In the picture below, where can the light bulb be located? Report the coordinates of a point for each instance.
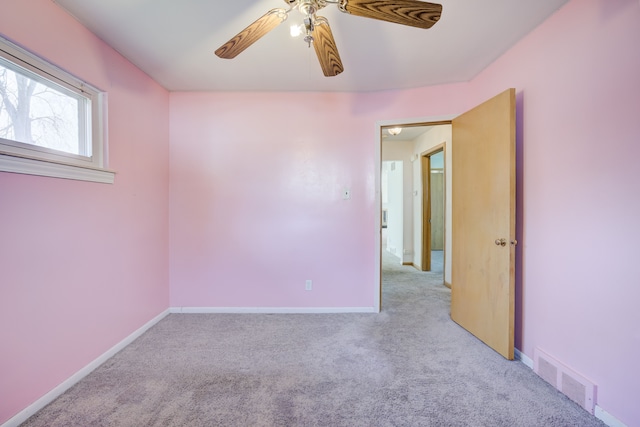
(296, 30)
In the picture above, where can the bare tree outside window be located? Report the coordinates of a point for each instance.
(36, 114)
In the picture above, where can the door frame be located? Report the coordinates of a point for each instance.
(425, 159)
(379, 125)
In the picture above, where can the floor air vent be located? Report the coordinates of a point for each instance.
(573, 385)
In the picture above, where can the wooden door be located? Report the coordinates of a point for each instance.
(426, 213)
(483, 223)
(437, 209)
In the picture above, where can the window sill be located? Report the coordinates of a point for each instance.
(30, 166)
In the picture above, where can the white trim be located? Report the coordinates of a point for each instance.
(271, 310)
(599, 413)
(92, 123)
(415, 121)
(23, 415)
(377, 256)
(523, 358)
(28, 166)
(607, 418)
(37, 65)
(377, 291)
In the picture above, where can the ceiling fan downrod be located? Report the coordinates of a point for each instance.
(308, 25)
(309, 8)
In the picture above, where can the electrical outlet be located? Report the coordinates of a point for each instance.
(308, 285)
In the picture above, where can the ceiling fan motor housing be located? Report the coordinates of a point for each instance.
(307, 7)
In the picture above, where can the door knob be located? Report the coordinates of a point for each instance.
(501, 242)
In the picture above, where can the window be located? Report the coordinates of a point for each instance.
(51, 123)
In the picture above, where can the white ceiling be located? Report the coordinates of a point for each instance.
(408, 133)
(174, 41)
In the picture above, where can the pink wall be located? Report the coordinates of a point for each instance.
(256, 196)
(82, 265)
(255, 205)
(578, 81)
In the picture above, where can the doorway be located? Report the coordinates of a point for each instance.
(482, 299)
(393, 212)
(433, 209)
(408, 145)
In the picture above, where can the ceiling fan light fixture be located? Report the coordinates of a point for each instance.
(296, 30)
(394, 131)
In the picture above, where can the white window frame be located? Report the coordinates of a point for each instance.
(22, 158)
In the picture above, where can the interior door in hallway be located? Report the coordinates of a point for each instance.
(483, 223)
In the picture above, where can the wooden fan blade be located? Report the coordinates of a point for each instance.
(406, 12)
(252, 33)
(326, 48)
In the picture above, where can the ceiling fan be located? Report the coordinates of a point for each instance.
(414, 13)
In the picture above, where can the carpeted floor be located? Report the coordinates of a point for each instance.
(407, 366)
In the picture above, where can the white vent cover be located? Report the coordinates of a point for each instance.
(575, 386)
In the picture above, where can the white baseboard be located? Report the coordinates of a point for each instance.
(599, 413)
(22, 416)
(523, 358)
(271, 310)
(607, 418)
